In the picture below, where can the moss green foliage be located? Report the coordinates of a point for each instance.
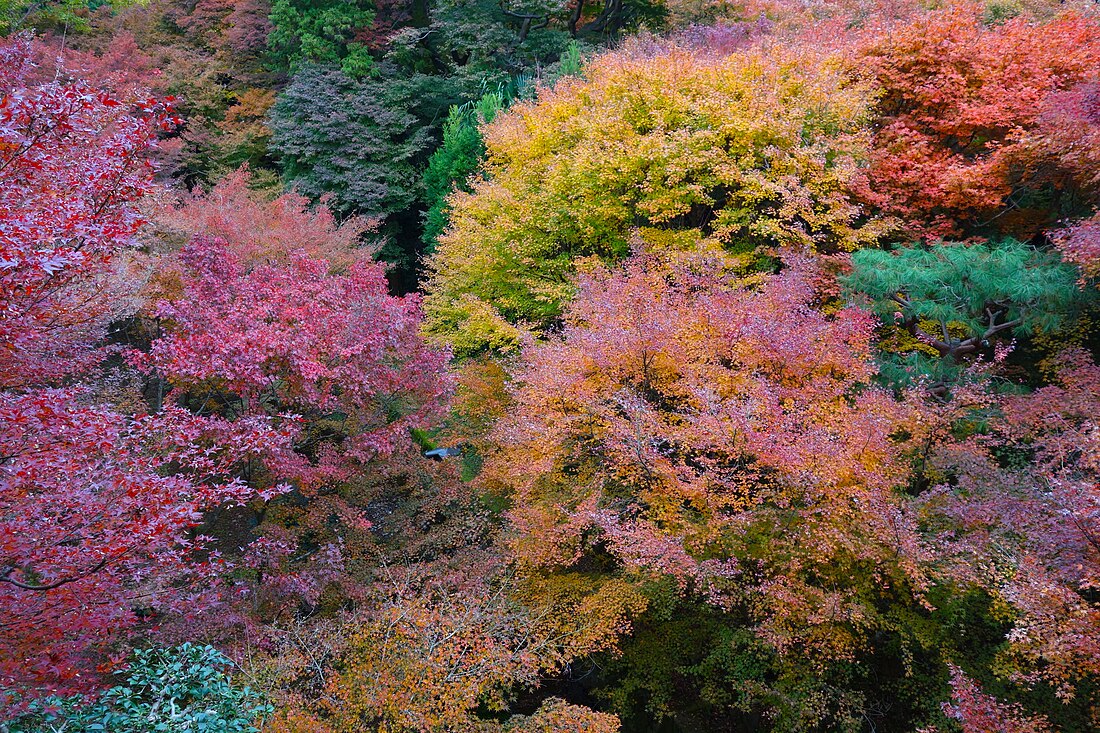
(42, 14)
(184, 689)
(951, 301)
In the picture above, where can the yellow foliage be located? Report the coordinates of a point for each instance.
(661, 152)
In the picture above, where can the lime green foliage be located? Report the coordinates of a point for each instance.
(463, 148)
(456, 159)
(953, 299)
(185, 689)
(673, 150)
(570, 62)
(319, 31)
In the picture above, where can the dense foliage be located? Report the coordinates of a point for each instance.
(675, 149)
(537, 366)
(177, 690)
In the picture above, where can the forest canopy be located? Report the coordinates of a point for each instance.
(549, 366)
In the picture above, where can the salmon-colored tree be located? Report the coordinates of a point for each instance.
(719, 436)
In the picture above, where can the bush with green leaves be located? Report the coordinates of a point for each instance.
(184, 689)
(347, 137)
(456, 159)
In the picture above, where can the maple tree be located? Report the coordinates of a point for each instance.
(442, 646)
(1022, 501)
(954, 156)
(331, 357)
(722, 437)
(96, 509)
(978, 712)
(296, 338)
(680, 149)
(1080, 244)
(73, 159)
(261, 229)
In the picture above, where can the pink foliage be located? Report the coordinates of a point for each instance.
(262, 230)
(296, 338)
(1029, 530)
(1080, 244)
(1069, 130)
(978, 712)
(73, 160)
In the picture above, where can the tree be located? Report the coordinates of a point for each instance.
(960, 100)
(694, 436)
(339, 136)
(447, 641)
(457, 158)
(97, 514)
(1080, 244)
(331, 357)
(15, 15)
(978, 712)
(260, 229)
(952, 300)
(96, 510)
(1068, 132)
(1017, 499)
(271, 339)
(320, 33)
(73, 160)
(752, 150)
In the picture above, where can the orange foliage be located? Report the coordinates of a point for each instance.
(683, 422)
(959, 98)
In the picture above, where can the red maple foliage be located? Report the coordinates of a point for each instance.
(334, 354)
(960, 101)
(97, 511)
(73, 160)
(296, 338)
